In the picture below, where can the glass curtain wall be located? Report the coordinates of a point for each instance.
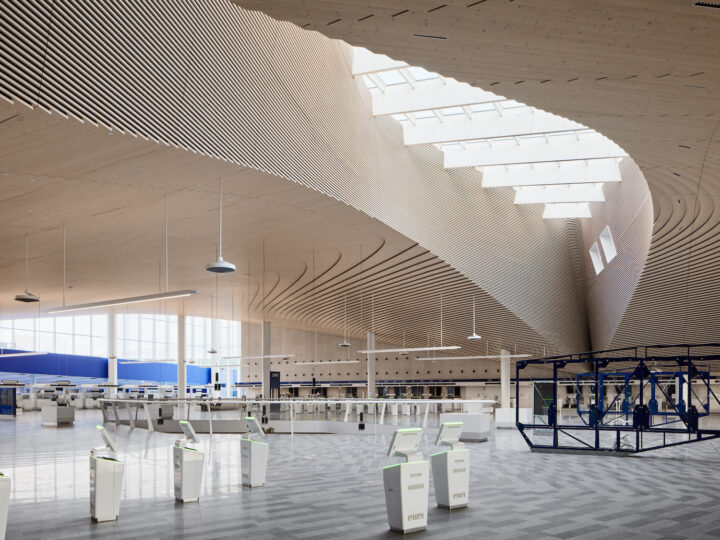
(85, 335)
(145, 337)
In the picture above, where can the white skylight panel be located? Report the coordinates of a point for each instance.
(482, 107)
(596, 258)
(420, 115)
(451, 111)
(565, 172)
(390, 78)
(421, 74)
(548, 159)
(365, 61)
(537, 150)
(567, 193)
(567, 210)
(608, 245)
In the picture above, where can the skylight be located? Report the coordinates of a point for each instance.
(608, 246)
(549, 159)
(596, 258)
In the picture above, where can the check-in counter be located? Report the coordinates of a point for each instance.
(54, 415)
(476, 427)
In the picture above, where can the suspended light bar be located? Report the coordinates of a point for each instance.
(283, 356)
(416, 349)
(331, 362)
(122, 301)
(9, 355)
(486, 357)
(173, 362)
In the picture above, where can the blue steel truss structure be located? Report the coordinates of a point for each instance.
(639, 399)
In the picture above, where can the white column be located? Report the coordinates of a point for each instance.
(265, 361)
(371, 390)
(181, 365)
(112, 354)
(505, 379)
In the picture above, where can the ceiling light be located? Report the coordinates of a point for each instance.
(220, 266)
(486, 357)
(474, 336)
(345, 342)
(121, 301)
(330, 362)
(27, 296)
(282, 356)
(415, 349)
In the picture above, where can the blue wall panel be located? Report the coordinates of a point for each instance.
(71, 365)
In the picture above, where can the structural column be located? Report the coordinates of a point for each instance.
(505, 379)
(265, 389)
(371, 390)
(181, 363)
(112, 377)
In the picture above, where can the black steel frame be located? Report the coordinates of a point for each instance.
(640, 360)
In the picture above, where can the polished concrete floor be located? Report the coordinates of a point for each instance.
(330, 486)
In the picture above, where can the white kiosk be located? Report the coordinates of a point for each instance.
(451, 468)
(253, 455)
(406, 484)
(106, 475)
(188, 465)
(4, 503)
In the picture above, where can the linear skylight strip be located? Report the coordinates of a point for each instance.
(568, 172)
(123, 301)
(559, 194)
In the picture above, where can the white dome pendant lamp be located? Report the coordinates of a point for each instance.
(27, 296)
(220, 266)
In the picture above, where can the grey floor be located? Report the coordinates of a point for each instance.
(330, 486)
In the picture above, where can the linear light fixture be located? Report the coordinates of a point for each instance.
(121, 301)
(8, 355)
(325, 362)
(486, 357)
(172, 362)
(416, 349)
(283, 356)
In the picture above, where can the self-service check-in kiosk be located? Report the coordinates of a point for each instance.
(106, 475)
(451, 468)
(4, 503)
(253, 455)
(188, 465)
(406, 484)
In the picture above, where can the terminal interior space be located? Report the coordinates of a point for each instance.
(336, 269)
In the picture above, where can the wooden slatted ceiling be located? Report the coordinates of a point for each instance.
(109, 191)
(644, 73)
(219, 81)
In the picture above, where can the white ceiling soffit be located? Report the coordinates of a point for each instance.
(548, 159)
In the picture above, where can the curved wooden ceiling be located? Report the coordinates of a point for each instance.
(642, 72)
(300, 254)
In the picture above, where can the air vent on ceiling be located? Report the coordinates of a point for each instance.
(707, 4)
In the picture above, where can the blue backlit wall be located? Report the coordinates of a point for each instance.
(71, 365)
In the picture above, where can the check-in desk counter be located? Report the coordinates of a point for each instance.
(55, 415)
